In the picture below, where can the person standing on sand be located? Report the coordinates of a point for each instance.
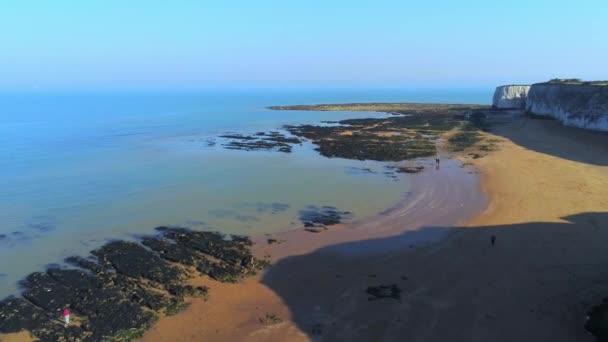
(66, 316)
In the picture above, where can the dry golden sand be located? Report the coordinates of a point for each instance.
(548, 204)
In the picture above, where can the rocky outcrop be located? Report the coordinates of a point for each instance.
(119, 293)
(510, 96)
(581, 104)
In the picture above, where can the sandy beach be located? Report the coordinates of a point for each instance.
(547, 190)
(542, 192)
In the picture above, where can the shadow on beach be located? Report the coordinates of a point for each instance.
(537, 281)
(553, 138)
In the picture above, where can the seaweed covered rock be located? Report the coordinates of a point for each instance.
(189, 291)
(234, 249)
(108, 309)
(133, 260)
(18, 314)
(271, 141)
(389, 139)
(223, 258)
(173, 251)
(410, 169)
(117, 294)
(316, 219)
(411, 131)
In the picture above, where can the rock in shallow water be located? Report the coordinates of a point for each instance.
(316, 219)
(271, 141)
(118, 294)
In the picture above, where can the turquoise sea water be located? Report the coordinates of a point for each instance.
(79, 168)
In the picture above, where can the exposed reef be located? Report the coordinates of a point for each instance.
(119, 292)
(410, 133)
(410, 169)
(316, 219)
(270, 141)
(391, 108)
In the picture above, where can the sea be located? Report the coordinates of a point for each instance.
(79, 168)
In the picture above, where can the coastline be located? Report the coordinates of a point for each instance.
(436, 276)
(536, 283)
(238, 309)
(392, 139)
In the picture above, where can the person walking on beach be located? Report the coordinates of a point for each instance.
(66, 316)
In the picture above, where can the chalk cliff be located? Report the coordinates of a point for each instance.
(581, 104)
(510, 96)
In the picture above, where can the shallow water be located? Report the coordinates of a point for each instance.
(81, 168)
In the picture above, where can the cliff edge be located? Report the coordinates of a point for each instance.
(579, 104)
(510, 96)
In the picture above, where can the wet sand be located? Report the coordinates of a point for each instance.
(234, 311)
(548, 202)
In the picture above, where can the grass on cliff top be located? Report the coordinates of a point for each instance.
(575, 81)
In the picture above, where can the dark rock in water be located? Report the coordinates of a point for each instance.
(133, 260)
(232, 255)
(172, 251)
(597, 321)
(273, 208)
(410, 169)
(234, 250)
(116, 295)
(237, 137)
(271, 141)
(85, 263)
(359, 170)
(383, 291)
(321, 217)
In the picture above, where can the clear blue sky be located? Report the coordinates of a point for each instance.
(105, 43)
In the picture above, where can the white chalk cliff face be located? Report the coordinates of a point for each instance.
(578, 105)
(510, 96)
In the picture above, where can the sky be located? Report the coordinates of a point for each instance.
(94, 43)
